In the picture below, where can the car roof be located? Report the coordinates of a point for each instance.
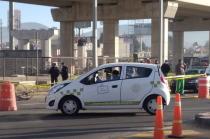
(128, 64)
(194, 69)
(198, 67)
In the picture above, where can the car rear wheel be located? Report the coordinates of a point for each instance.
(150, 105)
(70, 106)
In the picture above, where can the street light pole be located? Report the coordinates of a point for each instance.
(95, 43)
(10, 25)
(1, 33)
(37, 56)
(161, 31)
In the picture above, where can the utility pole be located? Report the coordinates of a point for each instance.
(1, 33)
(161, 32)
(95, 43)
(37, 56)
(10, 25)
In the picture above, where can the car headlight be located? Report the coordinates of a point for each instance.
(56, 88)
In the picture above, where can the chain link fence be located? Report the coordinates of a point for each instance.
(36, 69)
(31, 75)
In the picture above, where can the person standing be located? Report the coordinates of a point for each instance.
(64, 71)
(156, 62)
(180, 70)
(165, 68)
(54, 73)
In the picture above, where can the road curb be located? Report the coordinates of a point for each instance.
(187, 134)
(203, 119)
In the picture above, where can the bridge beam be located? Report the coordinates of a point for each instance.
(192, 24)
(132, 9)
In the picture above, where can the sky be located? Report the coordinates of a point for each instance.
(29, 13)
(42, 14)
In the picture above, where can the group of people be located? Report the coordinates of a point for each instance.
(179, 70)
(55, 72)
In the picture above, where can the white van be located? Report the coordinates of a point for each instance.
(111, 86)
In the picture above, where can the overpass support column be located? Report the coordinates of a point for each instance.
(46, 51)
(67, 44)
(155, 49)
(23, 45)
(111, 39)
(178, 46)
(82, 57)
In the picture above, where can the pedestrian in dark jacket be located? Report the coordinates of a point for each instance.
(64, 72)
(165, 68)
(54, 73)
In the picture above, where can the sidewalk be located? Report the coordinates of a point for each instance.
(190, 131)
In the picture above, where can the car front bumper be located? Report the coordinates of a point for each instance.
(51, 102)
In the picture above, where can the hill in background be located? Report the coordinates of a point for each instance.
(24, 26)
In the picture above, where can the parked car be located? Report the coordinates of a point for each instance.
(111, 86)
(191, 85)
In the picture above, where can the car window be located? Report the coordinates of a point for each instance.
(89, 79)
(137, 72)
(202, 71)
(103, 75)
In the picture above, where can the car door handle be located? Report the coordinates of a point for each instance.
(114, 86)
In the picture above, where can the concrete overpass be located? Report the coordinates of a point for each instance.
(179, 16)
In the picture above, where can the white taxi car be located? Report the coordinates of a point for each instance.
(111, 86)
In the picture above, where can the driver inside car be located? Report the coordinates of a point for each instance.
(115, 75)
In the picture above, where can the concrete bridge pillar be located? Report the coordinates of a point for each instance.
(155, 49)
(23, 44)
(82, 57)
(178, 47)
(46, 51)
(111, 39)
(46, 47)
(67, 44)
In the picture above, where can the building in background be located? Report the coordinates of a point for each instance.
(16, 19)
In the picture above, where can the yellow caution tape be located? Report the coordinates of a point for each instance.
(42, 86)
(48, 86)
(178, 77)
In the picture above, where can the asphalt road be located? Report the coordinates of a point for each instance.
(33, 121)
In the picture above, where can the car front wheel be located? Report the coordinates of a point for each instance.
(150, 105)
(70, 106)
